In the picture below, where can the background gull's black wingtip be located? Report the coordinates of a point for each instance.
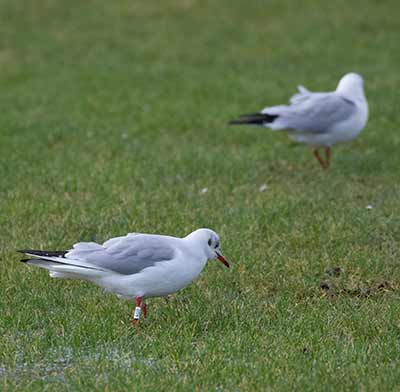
(235, 122)
(254, 119)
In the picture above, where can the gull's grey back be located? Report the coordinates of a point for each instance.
(314, 113)
(125, 255)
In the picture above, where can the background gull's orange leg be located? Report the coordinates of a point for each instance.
(320, 160)
(327, 156)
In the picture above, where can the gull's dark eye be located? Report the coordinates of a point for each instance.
(209, 242)
(217, 245)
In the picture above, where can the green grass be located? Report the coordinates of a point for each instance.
(113, 118)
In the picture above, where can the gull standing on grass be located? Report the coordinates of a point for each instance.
(135, 266)
(318, 119)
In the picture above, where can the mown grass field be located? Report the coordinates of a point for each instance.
(113, 119)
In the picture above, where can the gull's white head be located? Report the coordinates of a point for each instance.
(351, 85)
(210, 243)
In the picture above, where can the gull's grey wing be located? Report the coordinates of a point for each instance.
(302, 94)
(314, 112)
(125, 255)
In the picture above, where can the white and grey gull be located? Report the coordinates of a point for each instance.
(135, 266)
(318, 119)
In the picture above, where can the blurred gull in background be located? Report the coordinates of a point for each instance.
(318, 119)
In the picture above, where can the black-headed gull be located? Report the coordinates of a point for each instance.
(318, 119)
(136, 265)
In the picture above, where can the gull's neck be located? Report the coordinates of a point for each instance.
(195, 241)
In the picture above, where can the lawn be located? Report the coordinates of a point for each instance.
(114, 119)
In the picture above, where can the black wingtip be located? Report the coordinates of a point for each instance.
(254, 119)
(236, 122)
(47, 253)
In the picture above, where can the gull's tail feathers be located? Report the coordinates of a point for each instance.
(62, 267)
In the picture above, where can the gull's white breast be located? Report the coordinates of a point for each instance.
(162, 279)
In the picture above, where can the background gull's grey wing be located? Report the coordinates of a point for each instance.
(302, 94)
(303, 90)
(314, 113)
(125, 255)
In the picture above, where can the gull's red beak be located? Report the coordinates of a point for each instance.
(222, 260)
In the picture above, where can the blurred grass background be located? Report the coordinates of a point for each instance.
(113, 119)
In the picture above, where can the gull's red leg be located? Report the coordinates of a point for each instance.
(138, 309)
(144, 308)
(328, 156)
(320, 160)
